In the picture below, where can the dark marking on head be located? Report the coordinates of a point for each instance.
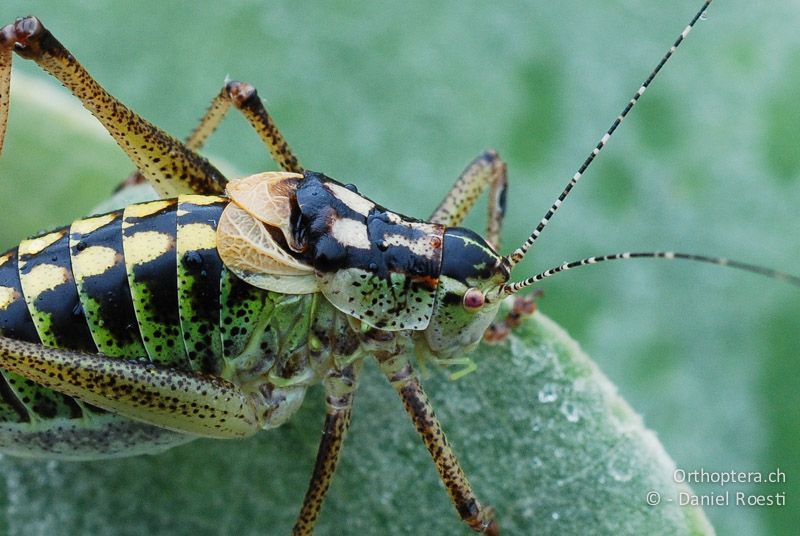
(467, 256)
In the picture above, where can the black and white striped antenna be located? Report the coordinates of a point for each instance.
(511, 288)
(517, 255)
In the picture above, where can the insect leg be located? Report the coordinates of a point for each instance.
(500, 328)
(169, 398)
(5, 86)
(404, 380)
(244, 98)
(486, 170)
(340, 387)
(170, 166)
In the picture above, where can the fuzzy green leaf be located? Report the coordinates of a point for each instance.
(541, 432)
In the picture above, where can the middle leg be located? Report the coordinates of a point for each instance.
(398, 371)
(340, 388)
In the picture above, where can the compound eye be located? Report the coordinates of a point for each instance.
(473, 300)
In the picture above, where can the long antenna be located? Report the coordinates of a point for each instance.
(511, 288)
(520, 252)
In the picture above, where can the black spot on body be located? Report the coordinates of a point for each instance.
(200, 275)
(192, 260)
(9, 399)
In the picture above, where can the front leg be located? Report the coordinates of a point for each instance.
(404, 380)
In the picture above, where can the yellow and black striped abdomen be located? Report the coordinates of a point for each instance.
(138, 283)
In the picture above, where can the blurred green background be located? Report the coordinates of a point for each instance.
(398, 97)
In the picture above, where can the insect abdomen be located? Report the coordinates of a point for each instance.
(136, 284)
(147, 283)
(34, 420)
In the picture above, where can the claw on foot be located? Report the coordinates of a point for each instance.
(20, 32)
(239, 92)
(485, 523)
(499, 329)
